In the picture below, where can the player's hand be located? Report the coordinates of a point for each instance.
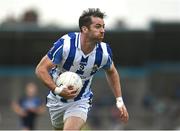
(124, 116)
(69, 92)
(22, 113)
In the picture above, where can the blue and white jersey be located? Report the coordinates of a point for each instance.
(68, 56)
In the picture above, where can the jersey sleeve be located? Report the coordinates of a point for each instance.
(109, 59)
(55, 53)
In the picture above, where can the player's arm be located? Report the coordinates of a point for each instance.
(42, 72)
(113, 79)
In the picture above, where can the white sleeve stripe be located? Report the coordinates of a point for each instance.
(56, 52)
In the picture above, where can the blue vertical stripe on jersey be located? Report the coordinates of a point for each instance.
(109, 61)
(109, 50)
(98, 59)
(82, 65)
(82, 90)
(69, 61)
(55, 53)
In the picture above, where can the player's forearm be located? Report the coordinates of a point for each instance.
(114, 82)
(44, 76)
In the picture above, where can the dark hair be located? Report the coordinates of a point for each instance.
(85, 18)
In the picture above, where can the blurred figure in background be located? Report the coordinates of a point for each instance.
(29, 19)
(28, 107)
(30, 16)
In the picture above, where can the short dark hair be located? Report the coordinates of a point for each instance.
(85, 18)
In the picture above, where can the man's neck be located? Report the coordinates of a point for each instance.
(87, 46)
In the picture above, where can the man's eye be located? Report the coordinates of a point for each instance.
(98, 27)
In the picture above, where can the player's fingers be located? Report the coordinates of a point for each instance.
(74, 92)
(126, 115)
(121, 112)
(70, 96)
(125, 118)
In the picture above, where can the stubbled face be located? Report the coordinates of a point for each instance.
(96, 29)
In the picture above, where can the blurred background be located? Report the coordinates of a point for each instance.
(145, 40)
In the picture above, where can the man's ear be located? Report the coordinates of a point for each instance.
(84, 29)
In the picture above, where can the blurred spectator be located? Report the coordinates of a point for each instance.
(9, 21)
(29, 19)
(30, 16)
(28, 107)
(120, 24)
(148, 101)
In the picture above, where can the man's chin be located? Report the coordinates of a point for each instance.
(100, 39)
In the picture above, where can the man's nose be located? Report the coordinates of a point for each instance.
(102, 30)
